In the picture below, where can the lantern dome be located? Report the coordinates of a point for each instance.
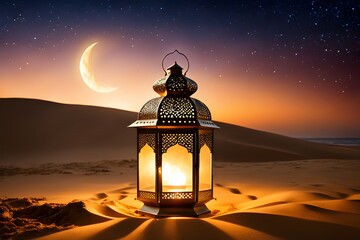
(174, 107)
(175, 83)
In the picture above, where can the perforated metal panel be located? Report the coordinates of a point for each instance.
(207, 139)
(149, 110)
(176, 84)
(176, 108)
(202, 110)
(185, 140)
(147, 195)
(177, 195)
(160, 86)
(146, 139)
(205, 195)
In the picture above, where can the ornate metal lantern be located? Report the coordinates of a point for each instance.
(175, 147)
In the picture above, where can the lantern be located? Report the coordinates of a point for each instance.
(175, 138)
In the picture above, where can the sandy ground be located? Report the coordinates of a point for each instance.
(303, 199)
(62, 177)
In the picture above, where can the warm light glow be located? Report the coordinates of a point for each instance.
(147, 169)
(177, 170)
(205, 167)
(173, 175)
(88, 75)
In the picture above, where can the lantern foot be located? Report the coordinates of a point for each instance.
(174, 211)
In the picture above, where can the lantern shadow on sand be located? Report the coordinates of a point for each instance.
(175, 147)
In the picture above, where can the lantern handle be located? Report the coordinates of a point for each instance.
(188, 63)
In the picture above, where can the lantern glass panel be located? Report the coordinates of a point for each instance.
(205, 166)
(147, 169)
(177, 170)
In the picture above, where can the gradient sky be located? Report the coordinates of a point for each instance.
(290, 67)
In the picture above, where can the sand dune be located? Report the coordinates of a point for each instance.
(253, 145)
(41, 131)
(34, 130)
(29, 217)
(68, 172)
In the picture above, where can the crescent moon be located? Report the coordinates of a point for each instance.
(88, 75)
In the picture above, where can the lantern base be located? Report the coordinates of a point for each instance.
(174, 211)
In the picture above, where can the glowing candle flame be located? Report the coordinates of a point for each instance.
(173, 176)
(177, 179)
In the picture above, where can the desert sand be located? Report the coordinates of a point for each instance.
(81, 184)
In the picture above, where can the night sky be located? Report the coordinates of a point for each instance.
(291, 67)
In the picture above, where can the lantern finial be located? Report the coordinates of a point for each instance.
(175, 69)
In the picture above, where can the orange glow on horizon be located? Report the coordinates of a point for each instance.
(241, 99)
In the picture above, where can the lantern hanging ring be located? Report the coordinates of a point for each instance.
(188, 64)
